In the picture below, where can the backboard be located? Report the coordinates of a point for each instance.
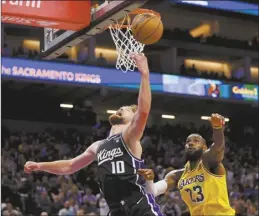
(56, 42)
(66, 14)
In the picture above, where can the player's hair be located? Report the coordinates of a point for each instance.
(133, 107)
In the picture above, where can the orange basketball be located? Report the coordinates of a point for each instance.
(147, 28)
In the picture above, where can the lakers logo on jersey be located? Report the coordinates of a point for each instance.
(184, 182)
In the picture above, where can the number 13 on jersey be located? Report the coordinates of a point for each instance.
(118, 167)
(196, 193)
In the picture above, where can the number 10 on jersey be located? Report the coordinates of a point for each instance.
(118, 167)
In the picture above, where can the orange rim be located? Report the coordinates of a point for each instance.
(142, 11)
(127, 18)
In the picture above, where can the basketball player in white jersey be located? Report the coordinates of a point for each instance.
(118, 156)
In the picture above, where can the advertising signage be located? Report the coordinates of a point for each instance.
(195, 86)
(232, 6)
(244, 92)
(210, 88)
(47, 71)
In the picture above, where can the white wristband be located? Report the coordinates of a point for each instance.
(157, 188)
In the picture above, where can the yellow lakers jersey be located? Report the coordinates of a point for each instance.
(204, 193)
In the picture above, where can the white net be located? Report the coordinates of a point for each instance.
(125, 44)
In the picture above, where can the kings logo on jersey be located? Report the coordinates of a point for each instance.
(106, 155)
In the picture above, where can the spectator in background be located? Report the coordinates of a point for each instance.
(8, 210)
(21, 52)
(255, 41)
(30, 54)
(251, 209)
(73, 207)
(65, 210)
(171, 209)
(101, 61)
(6, 51)
(240, 207)
(104, 208)
(83, 55)
(57, 203)
(90, 201)
(80, 212)
(44, 201)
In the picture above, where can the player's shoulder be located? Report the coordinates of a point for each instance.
(175, 174)
(98, 142)
(95, 145)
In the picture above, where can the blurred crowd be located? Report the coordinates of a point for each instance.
(216, 40)
(78, 194)
(176, 34)
(82, 55)
(194, 72)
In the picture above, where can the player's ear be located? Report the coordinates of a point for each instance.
(134, 107)
(204, 144)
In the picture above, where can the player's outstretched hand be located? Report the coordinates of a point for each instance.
(141, 62)
(31, 166)
(148, 174)
(217, 121)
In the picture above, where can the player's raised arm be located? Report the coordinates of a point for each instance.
(64, 167)
(137, 126)
(215, 154)
(169, 182)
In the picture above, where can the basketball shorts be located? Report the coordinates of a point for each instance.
(144, 206)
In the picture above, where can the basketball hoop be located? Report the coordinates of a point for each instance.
(125, 42)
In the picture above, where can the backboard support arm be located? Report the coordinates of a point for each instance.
(56, 42)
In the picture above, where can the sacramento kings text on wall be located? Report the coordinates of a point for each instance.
(27, 3)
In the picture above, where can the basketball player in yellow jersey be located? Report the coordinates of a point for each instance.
(202, 182)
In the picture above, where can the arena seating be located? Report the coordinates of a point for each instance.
(175, 34)
(78, 194)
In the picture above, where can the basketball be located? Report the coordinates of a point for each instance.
(147, 28)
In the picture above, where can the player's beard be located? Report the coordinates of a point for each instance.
(193, 155)
(116, 119)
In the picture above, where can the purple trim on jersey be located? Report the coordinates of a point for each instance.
(138, 165)
(151, 199)
(152, 202)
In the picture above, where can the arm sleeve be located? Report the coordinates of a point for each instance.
(157, 188)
